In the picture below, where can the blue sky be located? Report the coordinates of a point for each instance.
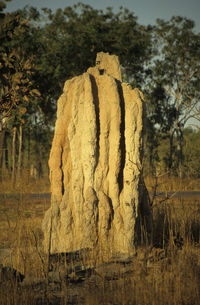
(147, 11)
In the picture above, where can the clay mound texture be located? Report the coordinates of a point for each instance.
(97, 198)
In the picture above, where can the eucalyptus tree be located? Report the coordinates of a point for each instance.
(67, 42)
(55, 46)
(70, 39)
(2, 8)
(176, 73)
(17, 86)
(191, 151)
(16, 63)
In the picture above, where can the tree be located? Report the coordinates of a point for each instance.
(15, 66)
(17, 87)
(191, 151)
(176, 75)
(70, 39)
(2, 7)
(64, 44)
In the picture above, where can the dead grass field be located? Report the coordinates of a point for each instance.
(167, 183)
(165, 273)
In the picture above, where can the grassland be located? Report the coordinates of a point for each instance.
(167, 272)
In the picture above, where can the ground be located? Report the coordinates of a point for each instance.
(167, 272)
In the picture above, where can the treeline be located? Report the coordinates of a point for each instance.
(40, 50)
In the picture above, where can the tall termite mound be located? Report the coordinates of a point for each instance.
(97, 198)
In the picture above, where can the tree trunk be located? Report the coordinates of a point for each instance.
(2, 137)
(179, 135)
(20, 154)
(180, 152)
(6, 152)
(171, 139)
(13, 156)
(29, 153)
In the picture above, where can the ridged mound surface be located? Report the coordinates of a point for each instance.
(95, 164)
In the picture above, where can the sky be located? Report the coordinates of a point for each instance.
(147, 11)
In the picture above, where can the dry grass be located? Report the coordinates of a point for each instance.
(25, 185)
(20, 232)
(167, 273)
(167, 183)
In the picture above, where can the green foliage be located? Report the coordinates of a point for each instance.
(191, 151)
(173, 90)
(16, 67)
(71, 38)
(2, 7)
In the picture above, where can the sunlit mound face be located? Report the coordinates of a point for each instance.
(95, 163)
